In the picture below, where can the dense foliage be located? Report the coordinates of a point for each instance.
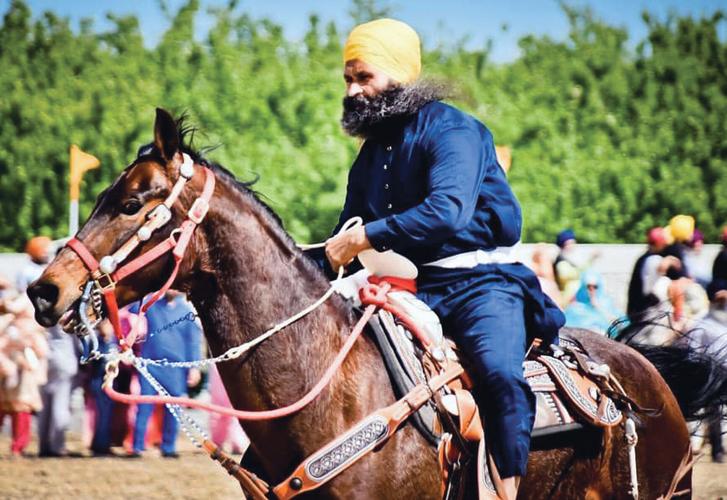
(606, 140)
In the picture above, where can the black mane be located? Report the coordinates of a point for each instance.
(186, 138)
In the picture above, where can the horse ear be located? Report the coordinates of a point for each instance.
(166, 135)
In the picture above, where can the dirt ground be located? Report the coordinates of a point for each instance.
(192, 476)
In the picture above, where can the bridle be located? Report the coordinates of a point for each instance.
(106, 273)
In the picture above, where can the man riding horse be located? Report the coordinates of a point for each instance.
(428, 185)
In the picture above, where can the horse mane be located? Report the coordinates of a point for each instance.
(697, 375)
(186, 139)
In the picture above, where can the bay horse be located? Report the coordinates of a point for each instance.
(244, 273)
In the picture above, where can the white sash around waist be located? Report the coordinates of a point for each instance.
(468, 260)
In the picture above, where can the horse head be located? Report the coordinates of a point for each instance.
(160, 184)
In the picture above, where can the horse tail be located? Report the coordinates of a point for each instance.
(697, 375)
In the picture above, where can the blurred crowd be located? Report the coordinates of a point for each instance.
(672, 285)
(41, 376)
(671, 276)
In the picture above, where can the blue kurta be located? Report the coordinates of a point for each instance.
(434, 189)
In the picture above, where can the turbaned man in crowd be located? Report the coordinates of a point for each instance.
(428, 185)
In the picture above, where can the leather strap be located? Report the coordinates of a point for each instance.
(88, 260)
(470, 425)
(249, 482)
(373, 430)
(409, 285)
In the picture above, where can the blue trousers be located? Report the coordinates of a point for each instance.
(485, 314)
(101, 442)
(174, 381)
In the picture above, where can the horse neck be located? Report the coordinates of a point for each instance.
(250, 278)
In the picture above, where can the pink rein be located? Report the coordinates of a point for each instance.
(264, 414)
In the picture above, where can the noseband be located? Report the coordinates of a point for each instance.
(105, 273)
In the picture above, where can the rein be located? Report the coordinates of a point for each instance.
(112, 369)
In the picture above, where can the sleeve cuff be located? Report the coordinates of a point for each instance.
(379, 234)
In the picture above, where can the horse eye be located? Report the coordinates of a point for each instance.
(131, 206)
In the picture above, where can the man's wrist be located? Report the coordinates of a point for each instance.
(378, 235)
(363, 242)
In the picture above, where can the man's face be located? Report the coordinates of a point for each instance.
(365, 80)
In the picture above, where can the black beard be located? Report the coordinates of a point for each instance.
(387, 112)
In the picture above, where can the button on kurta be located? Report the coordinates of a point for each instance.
(388, 148)
(389, 206)
(386, 167)
(386, 186)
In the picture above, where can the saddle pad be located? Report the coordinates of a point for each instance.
(402, 360)
(560, 389)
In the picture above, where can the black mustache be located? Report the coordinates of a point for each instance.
(387, 111)
(355, 103)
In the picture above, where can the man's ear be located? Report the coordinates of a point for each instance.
(166, 135)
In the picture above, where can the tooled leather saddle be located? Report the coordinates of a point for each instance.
(573, 392)
(567, 393)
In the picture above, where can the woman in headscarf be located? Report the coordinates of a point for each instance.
(592, 308)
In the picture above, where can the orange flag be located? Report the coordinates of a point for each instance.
(80, 163)
(504, 157)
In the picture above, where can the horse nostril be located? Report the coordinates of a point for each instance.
(44, 297)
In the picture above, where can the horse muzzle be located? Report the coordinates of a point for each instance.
(58, 288)
(44, 296)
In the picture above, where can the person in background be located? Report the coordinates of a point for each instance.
(568, 265)
(102, 404)
(224, 429)
(55, 417)
(639, 297)
(592, 308)
(542, 265)
(699, 267)
(22, 368)
(717, 288)
(711, 335)
(38, 250)
(180, 342)
(679, 231)
(566, 272)
(63, 356)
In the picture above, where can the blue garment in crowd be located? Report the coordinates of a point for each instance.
(433, 190)
(101, 442)
(181, 342)
(595, 314)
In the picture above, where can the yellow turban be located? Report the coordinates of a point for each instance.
(682, 227)
(392, 46)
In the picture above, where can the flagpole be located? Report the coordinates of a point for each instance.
(73, 218)
(80, 162)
